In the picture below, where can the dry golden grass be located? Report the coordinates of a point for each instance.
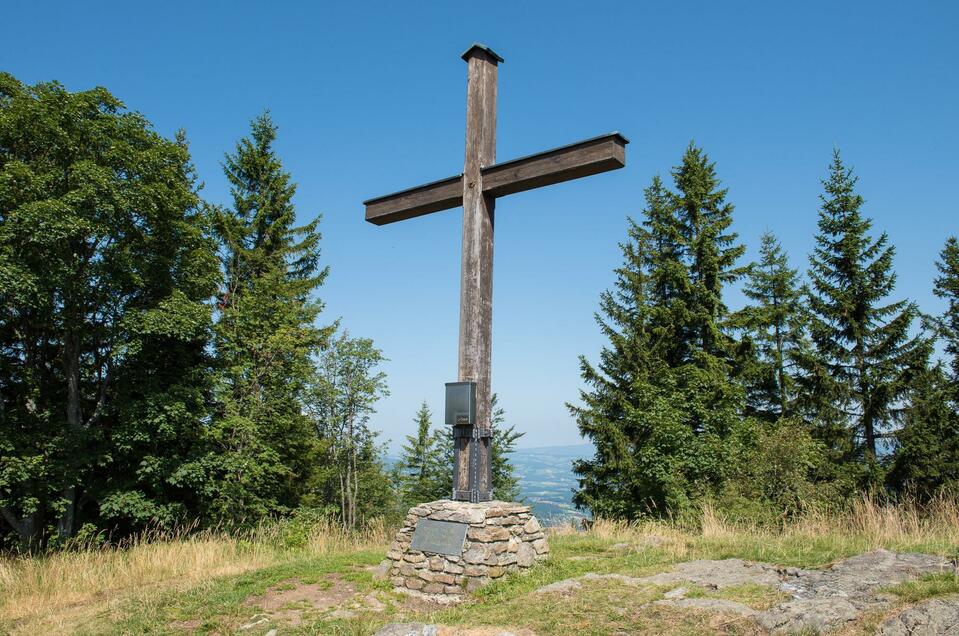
(814, 537)
(69, 583)
(89, 589)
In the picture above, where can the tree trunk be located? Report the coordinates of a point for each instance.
(26, 527)
(71, 353)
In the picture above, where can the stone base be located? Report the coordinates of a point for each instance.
(502, 537)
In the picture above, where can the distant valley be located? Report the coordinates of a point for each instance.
(547, 481)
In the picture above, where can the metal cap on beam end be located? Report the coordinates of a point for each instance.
(468, 53)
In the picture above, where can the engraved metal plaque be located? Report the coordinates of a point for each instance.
(439, 537)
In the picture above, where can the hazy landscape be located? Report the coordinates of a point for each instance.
(547, 481)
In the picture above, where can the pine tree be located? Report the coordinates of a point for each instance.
(774, 326)
(662, 398)
(859, 371)
(421, 465)
(262, 443)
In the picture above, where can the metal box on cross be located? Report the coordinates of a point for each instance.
(460, 403)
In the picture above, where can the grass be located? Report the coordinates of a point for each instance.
(209, 582)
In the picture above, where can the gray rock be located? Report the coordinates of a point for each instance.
(382, 571)
(809, 615)
(711, 605)
(560, 587)
(407, 629)
(822, 600)
(525, 555)
(679, 592)
(935, 617)
(717, 574)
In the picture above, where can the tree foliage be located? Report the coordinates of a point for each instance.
(773, 326)
(423, 466)
(864, 352)
(260, 442)
(345, 390)
(105, 267)
(662, 398)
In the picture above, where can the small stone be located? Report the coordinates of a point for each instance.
(433, 588)
(420, 511)
(437, 563)
(407, 569)
(476, 554)
(476, 583)
(531, 526)
(507, 559)
(496, 571)
(452, 589)
(382, 571)
(407, 629)
(540, 546)
(475, 570)
(414, 557)
(525, 555)
(426, 575)
(446, 579)
(415, 584)
(453, 568)
(488, 534)
(472, 516)
(397, 581)
(513, 544)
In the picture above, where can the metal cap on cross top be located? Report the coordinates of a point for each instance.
(476, 46)
(482, 181)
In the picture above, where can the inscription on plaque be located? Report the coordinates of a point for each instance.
(440, 537)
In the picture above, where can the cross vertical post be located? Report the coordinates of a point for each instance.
(472, 443)
(476, 189)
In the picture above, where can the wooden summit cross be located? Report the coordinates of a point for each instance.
(476, 189)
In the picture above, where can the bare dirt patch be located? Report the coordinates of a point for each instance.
(293, 601)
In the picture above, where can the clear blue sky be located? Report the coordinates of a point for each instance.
(370, 98)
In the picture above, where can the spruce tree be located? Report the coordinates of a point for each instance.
(859, 370)
(421, 464)
(926, 459)
(774, 325)
(262, 443)
(947, 288)
(662, 398)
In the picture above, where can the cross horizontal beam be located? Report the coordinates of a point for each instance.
(581, 159)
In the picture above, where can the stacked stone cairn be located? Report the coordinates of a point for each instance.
(502, 537)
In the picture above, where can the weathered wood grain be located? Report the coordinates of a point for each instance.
(476, 274)
(424, 199)
(581, 159)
